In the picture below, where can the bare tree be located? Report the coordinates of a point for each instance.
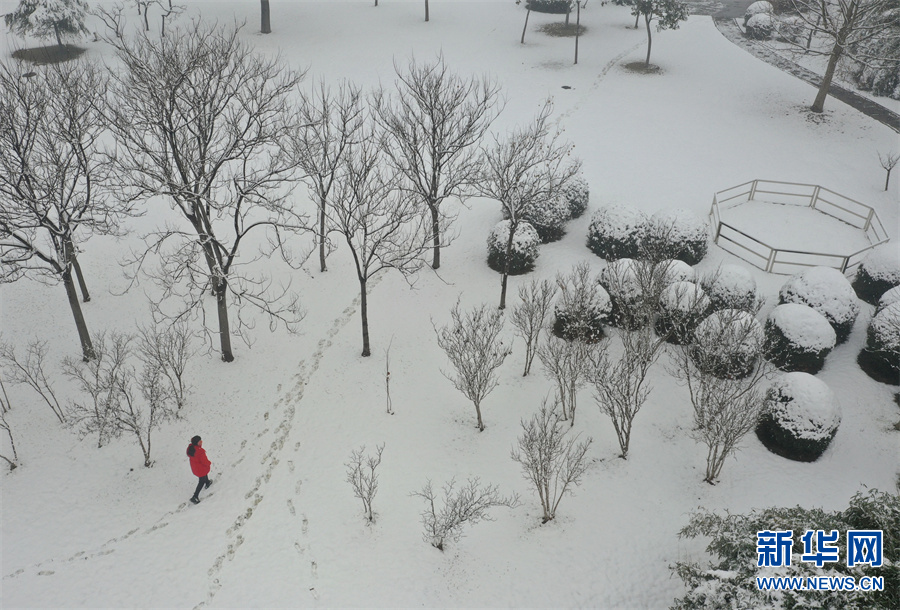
(327, 123)
(434, 120)
(362, 477)
(888, 162)
(552, 463)
(387, 379)
(524, 168)
(568, 364)
(167, 349)
(472, 342)
(379, 221)
(469, 504)
(119, 399)
(725, 410)
(53, 179)
(30, 371)
(5, 407)
(530, 316)
(842, 28)
(583, 305)
(201, 120)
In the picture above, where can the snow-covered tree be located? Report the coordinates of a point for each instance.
(46, 18)
(434, 120)
(666, 13)
(523, 168)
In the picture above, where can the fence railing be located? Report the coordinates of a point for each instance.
(779, 260)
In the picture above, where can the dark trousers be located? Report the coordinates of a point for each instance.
(204, 481)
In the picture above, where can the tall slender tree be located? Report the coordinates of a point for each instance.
(435, 120)
(202, 121)
(54, 181)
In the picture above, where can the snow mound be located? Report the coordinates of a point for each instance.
(804, 326)
(731, 286)
(617, 232)
(883, 263)
(827, 291)
(804, 406)
(761, 7)
(886, 327)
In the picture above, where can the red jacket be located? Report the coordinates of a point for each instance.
(199, 462)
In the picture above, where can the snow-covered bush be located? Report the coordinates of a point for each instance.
(800, 417)
(798, 338)
(761, 7)
(827, 291)
(49, 18)
(559, 7)
(761, 26)
(728, 579)
(583, 307)
(676, 271)
(576, 192)
(682, 305)
(888, 298)
(620, 279)
(790, 28)
(727, 344)
(880, 358)
(878, 273)
(549, 218)
(617, 232)
(877, 69)
(679, 234)
(732, 287)
(524, 248)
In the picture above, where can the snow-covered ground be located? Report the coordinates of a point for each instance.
(88, 527)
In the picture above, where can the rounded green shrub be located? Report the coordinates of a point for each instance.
(798, 338)
(880, 358)
(576, 192)
(727, 344)
(732, 287)
(878, 273)
(682, 306)
(617, 232)
(800, 417)
(827, 291)
(524, 248)
(581, 315)
(679, 234)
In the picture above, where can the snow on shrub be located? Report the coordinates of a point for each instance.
(676, 271)
(549, 218)
(880, 358)
(727, 344)
(732, 287)
(761, 7)
(576, 192)
(761, 26)
(888, 298)
(679, 234)
(620, 280)
(524, 248)
(790, 28)
(800, 417)
(617, 232)
(682, 305)
(798, 338)
(827, 291)
(583, 307)
(878, 273)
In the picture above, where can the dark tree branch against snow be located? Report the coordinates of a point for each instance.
(527, 166)
(202, 121)
(434, 120)
(380, 221)
(54, 181)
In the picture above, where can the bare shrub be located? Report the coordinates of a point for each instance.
(468, 504)
(583, 306)
(168, 350)
(552, 463)
(362, 477)
(568, 364)
(4, 409)
(530, 316)
(472, 342)
(30, 371)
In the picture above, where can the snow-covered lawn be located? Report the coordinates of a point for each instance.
(88, 527)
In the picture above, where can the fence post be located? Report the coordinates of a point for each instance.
(869, 220)
(771, 262)
(844, 264)
(814, 198)
(753, 189)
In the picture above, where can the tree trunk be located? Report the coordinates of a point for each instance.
(322, 267)
(146, 20)
(478, 412)
(637, 19)
(528, 14)
(577, 28)
(87, 347)
(503, 281)
(58, 37)
(221, 287)
(364, 315)
(265, 25)
(819, 103)
(887, 180)
(436, 230)
(426, 10)
(85, 295)
(649, 40)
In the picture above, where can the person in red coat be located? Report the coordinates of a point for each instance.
(199, 466)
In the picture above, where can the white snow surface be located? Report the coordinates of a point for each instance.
(810, 411)
(89, 528)
(824, 289)
(804, 326)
